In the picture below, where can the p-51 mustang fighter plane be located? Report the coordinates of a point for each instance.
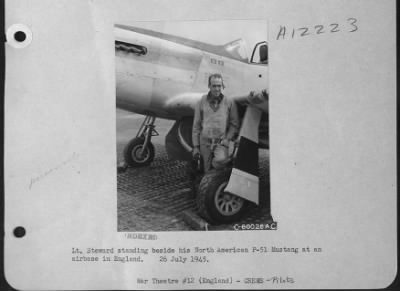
(162, 75)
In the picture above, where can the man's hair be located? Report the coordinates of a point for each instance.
(216, 76)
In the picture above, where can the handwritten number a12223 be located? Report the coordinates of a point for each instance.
(318, 29)
(353, 23)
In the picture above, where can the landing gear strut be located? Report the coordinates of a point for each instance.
(140, 151)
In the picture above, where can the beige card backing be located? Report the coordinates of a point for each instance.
(332, 149)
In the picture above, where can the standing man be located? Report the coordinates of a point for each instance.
(215, 124)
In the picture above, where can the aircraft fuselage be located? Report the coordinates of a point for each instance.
(154, 70)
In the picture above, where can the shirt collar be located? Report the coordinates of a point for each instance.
(210, 97)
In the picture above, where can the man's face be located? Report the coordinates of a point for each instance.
(215, 86)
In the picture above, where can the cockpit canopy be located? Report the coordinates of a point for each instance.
(237, 50)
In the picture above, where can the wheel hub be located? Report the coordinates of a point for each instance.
(227, 203)
(140, 155)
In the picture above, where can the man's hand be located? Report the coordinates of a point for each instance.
(258, 98)
(225, 142)
(196, 152)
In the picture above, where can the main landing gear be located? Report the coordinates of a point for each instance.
(140, 151)
(214, 204)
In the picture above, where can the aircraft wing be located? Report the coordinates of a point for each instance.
(257, 99)
(184, 104)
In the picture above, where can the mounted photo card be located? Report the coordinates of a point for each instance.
(174, 145)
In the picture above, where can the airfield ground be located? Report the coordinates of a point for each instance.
(159, 197)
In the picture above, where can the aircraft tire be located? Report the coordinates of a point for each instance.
(215, 205)
(131, 153)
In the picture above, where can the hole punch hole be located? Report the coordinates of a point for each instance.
(20, 36)
(19, 232)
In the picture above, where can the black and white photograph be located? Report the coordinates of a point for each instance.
(192, 125)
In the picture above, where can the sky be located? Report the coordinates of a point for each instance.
(213, 32)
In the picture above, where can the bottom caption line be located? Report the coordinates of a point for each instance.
(216, 281)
